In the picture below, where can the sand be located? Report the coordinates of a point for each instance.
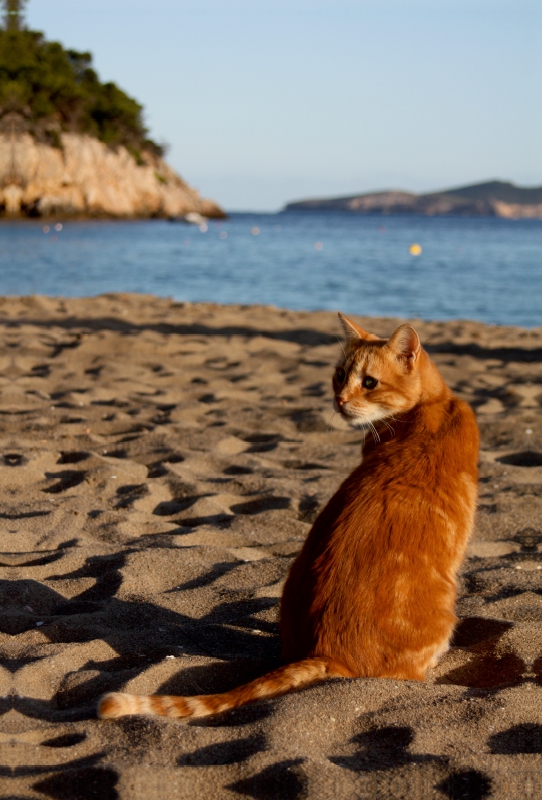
(161, 466)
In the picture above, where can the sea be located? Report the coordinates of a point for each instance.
(439, 268)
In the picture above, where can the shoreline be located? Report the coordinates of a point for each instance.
(280, 213)
(55, 308)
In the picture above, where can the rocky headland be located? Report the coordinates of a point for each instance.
(83, 176)
(491, 199)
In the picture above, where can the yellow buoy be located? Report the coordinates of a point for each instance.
(415, 250)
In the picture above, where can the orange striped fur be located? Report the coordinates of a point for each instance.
(282, 680)
(372, 592)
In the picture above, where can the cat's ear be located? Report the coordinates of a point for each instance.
(354, 333)
(405, 344)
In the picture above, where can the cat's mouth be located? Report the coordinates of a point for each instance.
(358, 418)
(345, 410)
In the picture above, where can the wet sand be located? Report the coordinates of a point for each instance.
(161, 466)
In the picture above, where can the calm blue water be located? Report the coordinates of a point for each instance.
(485, 269)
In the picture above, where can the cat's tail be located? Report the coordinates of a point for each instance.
(281, 681)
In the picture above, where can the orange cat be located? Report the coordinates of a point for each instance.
(372, 592)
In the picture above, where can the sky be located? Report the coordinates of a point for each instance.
(262, 102)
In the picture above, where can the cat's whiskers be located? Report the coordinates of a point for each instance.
(374, 431)
(330, 419)
(399, 421)
(388, 426)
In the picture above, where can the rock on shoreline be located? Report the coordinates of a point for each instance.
(85, 177)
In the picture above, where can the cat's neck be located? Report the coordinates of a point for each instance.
(432, 386)
(433, 398)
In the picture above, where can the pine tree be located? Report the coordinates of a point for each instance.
(13, 14)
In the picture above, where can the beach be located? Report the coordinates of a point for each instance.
(162, 463)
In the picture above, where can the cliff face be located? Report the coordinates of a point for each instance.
(493, 199)
(86, 177)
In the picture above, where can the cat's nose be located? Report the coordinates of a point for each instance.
(340, 401)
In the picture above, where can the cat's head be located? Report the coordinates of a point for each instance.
(376, 378)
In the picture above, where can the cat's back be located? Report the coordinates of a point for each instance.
(435, 440)
(432, 451)
(424, 477)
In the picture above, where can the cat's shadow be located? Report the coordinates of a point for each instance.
(486, 668)
(144, 634)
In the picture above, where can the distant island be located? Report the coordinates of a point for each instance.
(491, 199)
(72, 145)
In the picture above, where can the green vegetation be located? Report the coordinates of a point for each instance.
(46, 89)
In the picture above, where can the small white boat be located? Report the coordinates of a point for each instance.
(194, 218)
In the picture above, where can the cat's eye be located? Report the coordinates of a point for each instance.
(368, 382)
(340, 375)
